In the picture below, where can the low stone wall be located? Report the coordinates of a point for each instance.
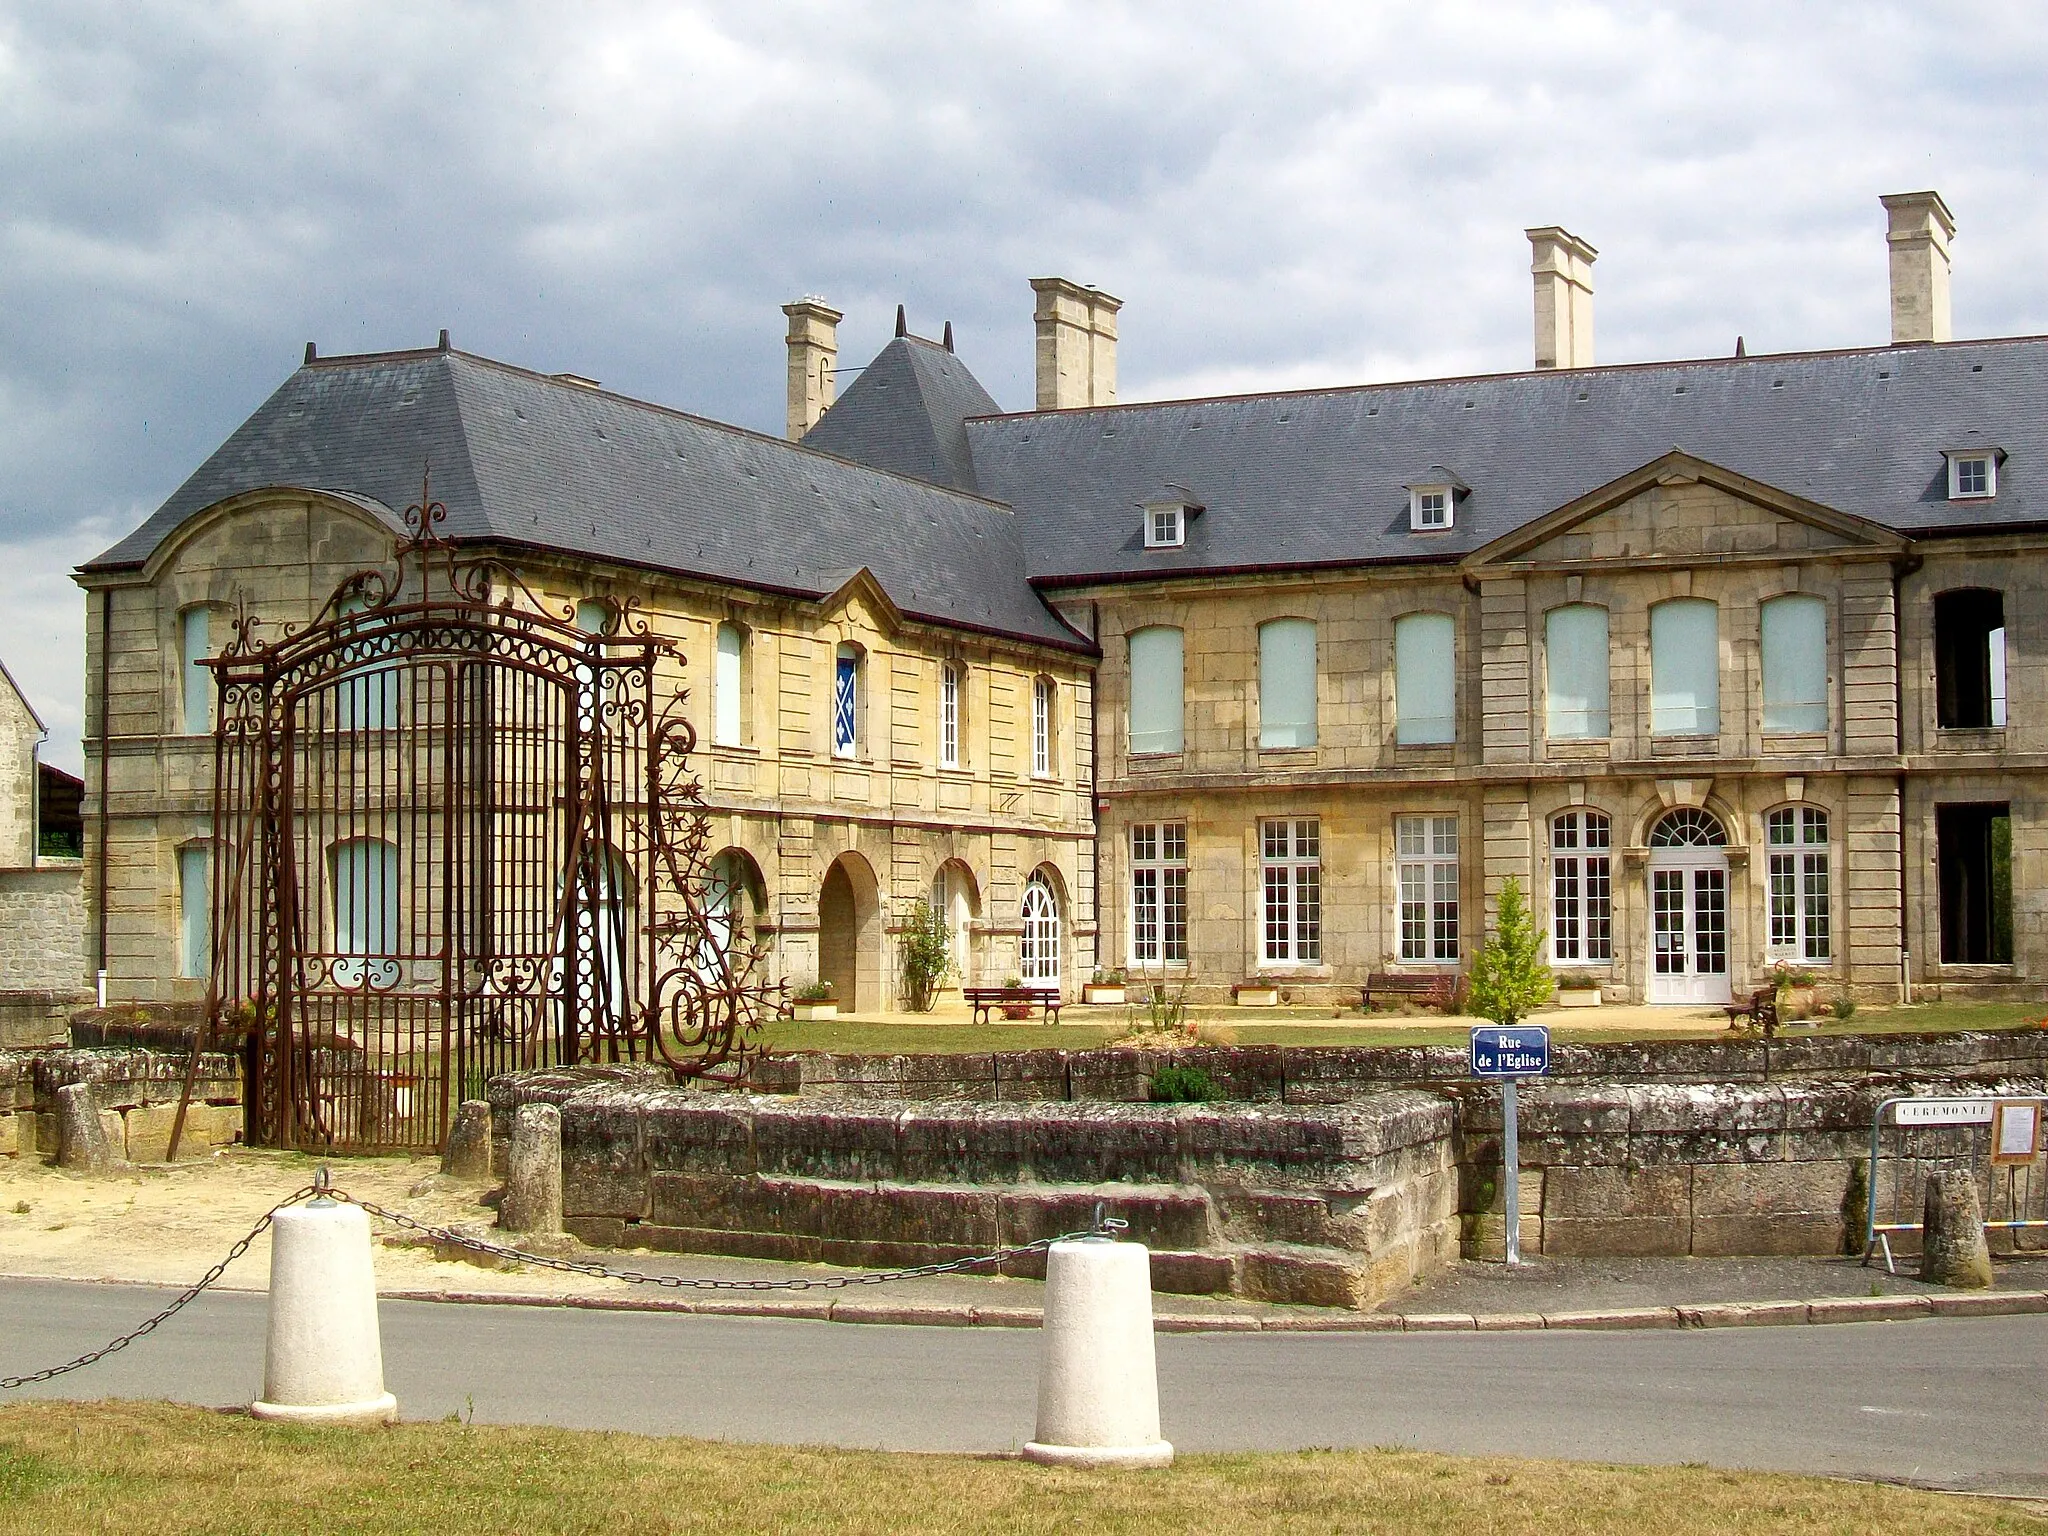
(137, 1089)
(1334, 1074)
(38, 1017)
(1703, 1169)
(1337, 1205)
(42, 928)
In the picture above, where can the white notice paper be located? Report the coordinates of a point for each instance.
(2016, 1130)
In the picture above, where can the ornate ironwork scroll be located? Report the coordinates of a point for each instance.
(456, 834)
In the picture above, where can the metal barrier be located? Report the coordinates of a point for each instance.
(1981, 1130)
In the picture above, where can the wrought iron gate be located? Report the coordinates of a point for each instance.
(455, 835)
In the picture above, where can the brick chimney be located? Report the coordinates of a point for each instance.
(1076, 344)
(1920, 229)
(813, 359)
(1563, 268)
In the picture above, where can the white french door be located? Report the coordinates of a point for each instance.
(1688, 926)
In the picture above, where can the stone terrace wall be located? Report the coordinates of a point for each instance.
(1700, 1168)
(42, 952)
(1334, 1074)
(1337, 1205)
(137, 1089)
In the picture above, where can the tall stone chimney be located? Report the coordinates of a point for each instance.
(1076, 344)
(813, 361)
(1921, 228)
(1563, 267)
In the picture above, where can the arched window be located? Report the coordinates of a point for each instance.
(846, 700)
(1043, 714)
(195, 644)
(1156, 708)
(367, 701)
(728, 683)
(1688, 827)
(1038, 950)
(950, 681)
(1797, 839)
(728, 895)
(1581, 888)
(1287, 683)
(1685, 668)
(1575, 672)
(953, 900)
(1425, 679)
(1795, 647)
(363, 875)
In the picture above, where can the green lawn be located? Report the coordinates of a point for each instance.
(949, 1035)
(133, 1467)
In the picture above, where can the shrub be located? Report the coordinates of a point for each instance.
(1843, 1006)
(1182, 1085)
(813, 992)
(927, 952)
(1509, 980)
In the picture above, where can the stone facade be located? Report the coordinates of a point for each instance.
(42, 908)
(888, 818)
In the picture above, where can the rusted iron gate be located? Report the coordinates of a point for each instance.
(456, 834)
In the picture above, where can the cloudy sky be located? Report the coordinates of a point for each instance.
(1283, 195)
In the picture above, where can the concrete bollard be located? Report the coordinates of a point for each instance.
(533, 1173)
(82, 1142)
(468, 1155)
(323, 1362)
(1952, 1247)
(1098, 1381)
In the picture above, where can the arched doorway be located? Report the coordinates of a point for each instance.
(1688, 909)
(850, 934)
(1038, 948)
(956, 900)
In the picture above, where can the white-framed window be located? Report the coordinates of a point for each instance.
(1426, 878)
(1581, 889)
(1575, 684)
(846, 700)
(195, 911)
(1430, 507)
(1038, 950)
(728, 684)
(1287, 683)
(1972, 476)
(1159, 893)
(195, 644)
(1043, 700)
(1685, 668)
(1795, 647)
(1165, 525)
(1425, 679)
(1156, 708)
(1291, 879)
(1796, 837)
(949, 714)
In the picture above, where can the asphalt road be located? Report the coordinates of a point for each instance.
(1959, 1403)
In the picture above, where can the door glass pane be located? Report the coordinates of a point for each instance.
(1685, 668)
(1667, 908)
(1710, 921)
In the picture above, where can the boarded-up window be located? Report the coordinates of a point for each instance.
(1795, 642)
(1575, 672)
(1287, 683)
(1425, 679)
(1155, 690)
(1685, 668)
(195, 643)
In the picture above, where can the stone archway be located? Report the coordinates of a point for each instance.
(850, 934)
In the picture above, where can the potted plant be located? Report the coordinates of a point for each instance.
(1259, 992)
(813, 1001)
(1021, 1009)
(1104, 987)
(1577, 992)
(1794, 985)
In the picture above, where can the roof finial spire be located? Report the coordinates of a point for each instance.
(902, 322)
(949, 335)
(1740, 349)
(442, 344)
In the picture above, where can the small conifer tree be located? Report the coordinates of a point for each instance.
(1509, 980)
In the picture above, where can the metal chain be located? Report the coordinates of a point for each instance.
(184, 1299)
(1104, 1226)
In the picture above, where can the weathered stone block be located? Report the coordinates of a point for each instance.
(1775, 1232)
(604, 1161)
(1617, 1236)
(1601, 1193)
(149, 1132)
(1304, 1278)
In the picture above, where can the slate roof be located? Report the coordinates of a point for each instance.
(907, 413)
(1317, 477)
(524, 459)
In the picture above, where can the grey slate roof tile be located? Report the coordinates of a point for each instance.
(522, 458)
(907, 413)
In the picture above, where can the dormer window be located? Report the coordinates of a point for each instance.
(1166, 519)
(1972, 474)
(1429, 507)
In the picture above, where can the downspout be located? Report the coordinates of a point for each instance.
(100, 854)
(1095, 777)
(1901, 569)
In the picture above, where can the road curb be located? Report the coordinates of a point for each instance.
(1730, 1314)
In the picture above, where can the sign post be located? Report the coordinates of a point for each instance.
(1510, 1054)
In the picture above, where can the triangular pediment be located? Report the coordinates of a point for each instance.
(861, 595)
(1681, 509)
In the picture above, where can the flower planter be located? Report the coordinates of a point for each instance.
(1018, 1010)
(1578, 997)
(827, 1009)
(1248, 995)
(1797, 1003)
(1091, 993)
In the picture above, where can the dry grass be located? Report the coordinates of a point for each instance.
(133, 1467)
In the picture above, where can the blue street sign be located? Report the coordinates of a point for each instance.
(1523, 1051)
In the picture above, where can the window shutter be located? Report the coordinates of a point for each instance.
(1795, 642)
(1685, 668)
(1575, 671)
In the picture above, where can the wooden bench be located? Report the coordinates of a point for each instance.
(1386, 984)
(1761, 1011)
(981, 999)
